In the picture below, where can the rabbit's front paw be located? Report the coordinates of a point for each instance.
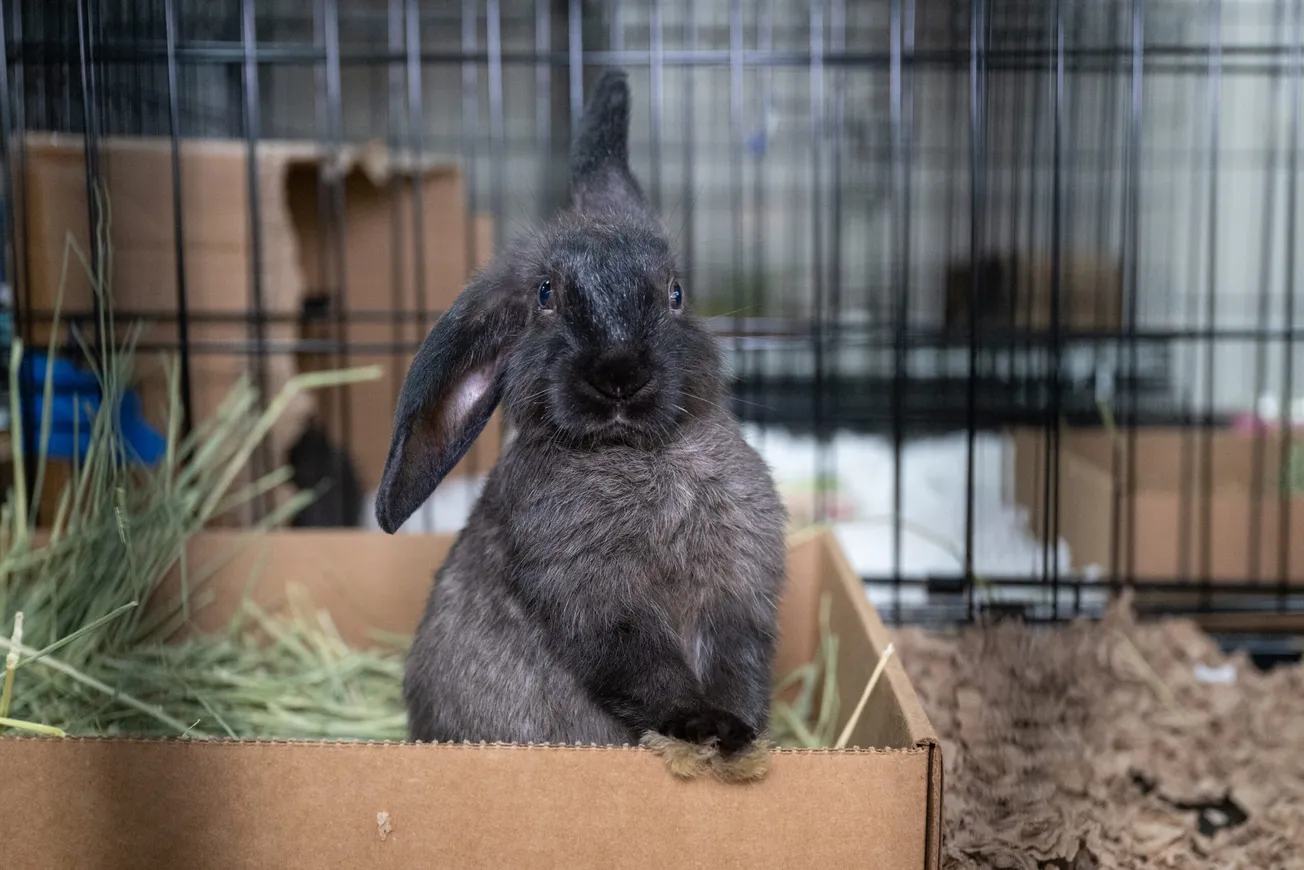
(710, 725)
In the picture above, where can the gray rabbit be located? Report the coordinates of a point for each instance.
(618, 578)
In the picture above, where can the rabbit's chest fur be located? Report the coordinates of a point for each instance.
(692, 533)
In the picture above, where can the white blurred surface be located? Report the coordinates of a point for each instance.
(933, 496)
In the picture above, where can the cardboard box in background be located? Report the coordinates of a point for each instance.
(1016, 291)
(296, 254)
(1166, 511)
(218, 804)
(362, 416)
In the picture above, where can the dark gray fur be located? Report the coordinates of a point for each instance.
(621, 570)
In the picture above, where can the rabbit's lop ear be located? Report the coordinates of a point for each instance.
(599, 162)
(450, 392)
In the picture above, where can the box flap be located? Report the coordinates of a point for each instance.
(894, 717)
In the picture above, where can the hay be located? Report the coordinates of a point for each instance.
(120, 530)
(290, 677)
(810, 719)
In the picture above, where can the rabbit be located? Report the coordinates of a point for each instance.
(617, 581)
(315, 461)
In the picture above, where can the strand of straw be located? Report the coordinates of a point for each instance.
(69, 671)
(864, 698)
(11, 665)
(64, 641)
(34, 727)
(20, 467)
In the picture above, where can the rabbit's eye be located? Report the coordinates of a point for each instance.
(545, 294)
(676, 296)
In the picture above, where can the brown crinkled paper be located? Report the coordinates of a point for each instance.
(1095, 745)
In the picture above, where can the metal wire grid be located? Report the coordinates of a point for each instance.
(823, 159)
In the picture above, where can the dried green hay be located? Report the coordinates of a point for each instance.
(809, 720)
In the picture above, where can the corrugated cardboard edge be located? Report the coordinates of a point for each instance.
(922, 732)
(199, 742)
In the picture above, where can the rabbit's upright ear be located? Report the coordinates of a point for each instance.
(601, 179)
(449, 394)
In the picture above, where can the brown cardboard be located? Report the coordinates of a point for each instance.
(1168, 491)
(128, 804)
(368, 418)
(299, 255)
(1016, 291)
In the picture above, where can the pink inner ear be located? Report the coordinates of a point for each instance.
(463, 400)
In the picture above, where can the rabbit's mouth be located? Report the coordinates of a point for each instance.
(634, 412)
(618, 397)
(630, 403)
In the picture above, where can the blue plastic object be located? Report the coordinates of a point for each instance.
(76, 396)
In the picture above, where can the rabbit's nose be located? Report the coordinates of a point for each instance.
(618, 375)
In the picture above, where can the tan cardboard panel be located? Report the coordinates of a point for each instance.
(1170, 523)
(124, 804)
(1168, 458)
(800, 604)
(364, 580)
(138, 179)
(376, 228)
(483, 227)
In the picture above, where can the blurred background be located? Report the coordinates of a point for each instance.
(1007, 288)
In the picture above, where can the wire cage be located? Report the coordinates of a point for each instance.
(944, 244)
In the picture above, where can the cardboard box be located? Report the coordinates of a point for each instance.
(371, 262)
(142, 803)
(1016, 291)
(1168, 496)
